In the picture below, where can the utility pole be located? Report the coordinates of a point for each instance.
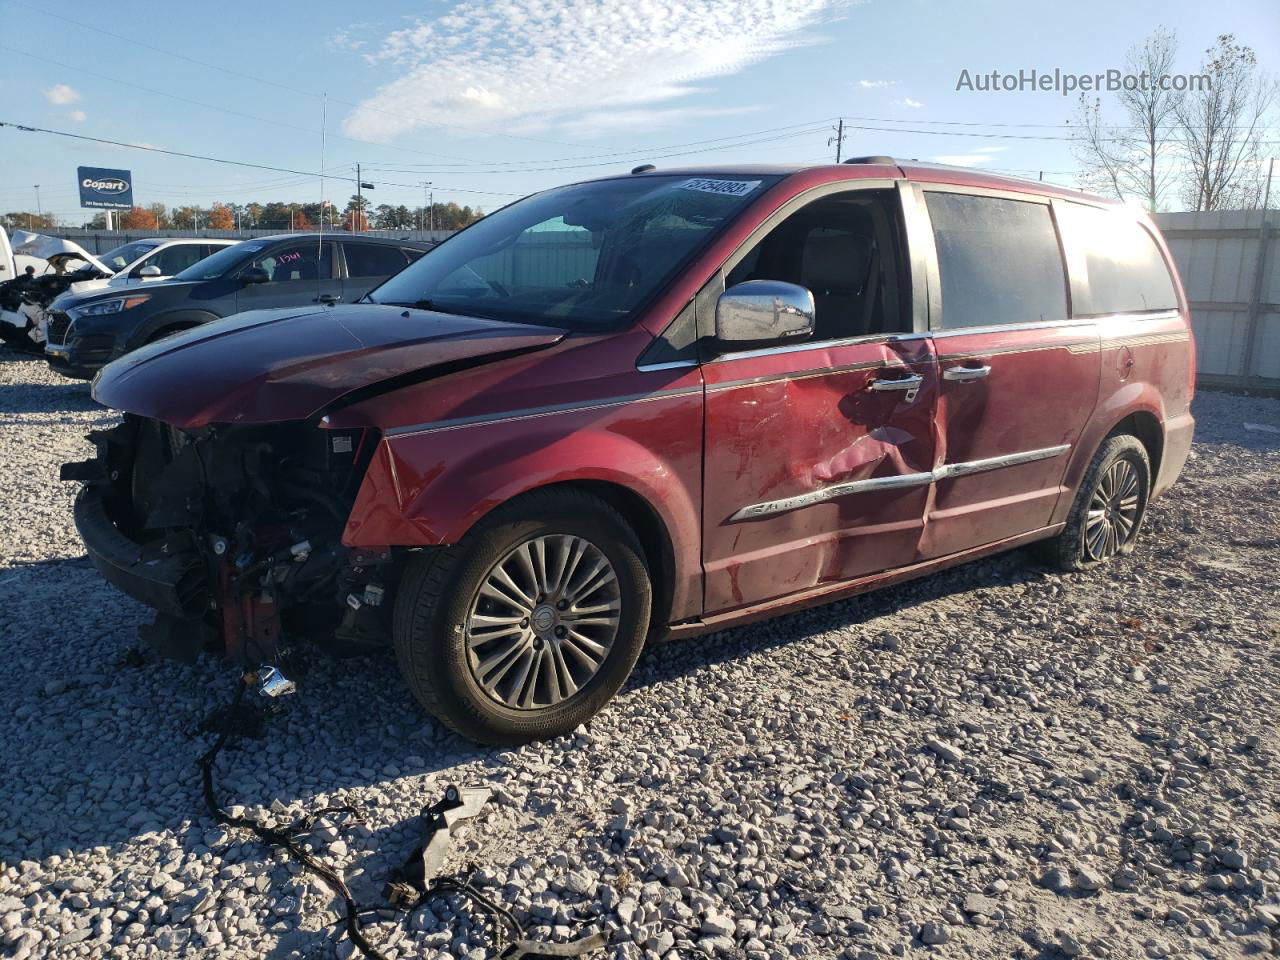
(1266, 194)
(360, 185)
(39, 210)
(838, 139)
(429, 197)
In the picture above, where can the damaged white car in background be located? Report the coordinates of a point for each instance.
(55, 266)
(26, 294)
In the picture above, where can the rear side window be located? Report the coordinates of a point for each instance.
(373, 260)
(173, 260)
(998, 261)
(1126, 273)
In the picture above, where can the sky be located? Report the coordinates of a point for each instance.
(489, 101)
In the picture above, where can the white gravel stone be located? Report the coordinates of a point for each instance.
(965, 757)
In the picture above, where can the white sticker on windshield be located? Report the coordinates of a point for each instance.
(727, 188)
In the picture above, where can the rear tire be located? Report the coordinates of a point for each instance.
(528, 625)
(1109, 508)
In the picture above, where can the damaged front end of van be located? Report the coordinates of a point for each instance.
(222, 497)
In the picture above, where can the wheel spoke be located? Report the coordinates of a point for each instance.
(600, 575)
(504, 588)
(495, 666)
(543, 621)
(1097, 538)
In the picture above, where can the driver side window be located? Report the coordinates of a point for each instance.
(845, 249)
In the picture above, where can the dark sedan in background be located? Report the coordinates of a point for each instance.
(87, 332)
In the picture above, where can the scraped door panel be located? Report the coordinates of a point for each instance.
(813, 476)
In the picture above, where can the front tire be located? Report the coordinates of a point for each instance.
(526, 627)
(1109, 507)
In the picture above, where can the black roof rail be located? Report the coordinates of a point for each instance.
(874, 158)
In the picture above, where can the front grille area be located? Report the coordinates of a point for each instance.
(59, 326)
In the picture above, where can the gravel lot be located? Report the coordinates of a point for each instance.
(993, 762)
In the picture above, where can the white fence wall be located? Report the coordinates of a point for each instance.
(1230, 266)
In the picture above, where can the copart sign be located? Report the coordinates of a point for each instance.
(105, 189)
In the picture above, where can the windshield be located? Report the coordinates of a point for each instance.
(122, 256)
(583, 257)
(222, 262)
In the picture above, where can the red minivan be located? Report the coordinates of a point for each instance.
(647, 406)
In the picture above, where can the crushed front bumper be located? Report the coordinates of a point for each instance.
(164, 577)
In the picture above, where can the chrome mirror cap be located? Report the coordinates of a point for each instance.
(764, 311)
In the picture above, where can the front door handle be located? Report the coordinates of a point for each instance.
(965, 373)
(910, 384)
(327, 298)
(902, 383)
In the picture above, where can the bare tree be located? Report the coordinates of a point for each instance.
(1221, 129)
(1136, 159)
(1152, 105)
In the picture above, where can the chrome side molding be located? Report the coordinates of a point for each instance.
(899, 481)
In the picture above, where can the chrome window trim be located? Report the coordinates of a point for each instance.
(1013, 327)
(870, 338)
(1161, 313)
(667, 365)
(434, 426)
(899, 481)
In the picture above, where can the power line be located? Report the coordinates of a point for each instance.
(210, 106)
(26, 128)
(637, 154)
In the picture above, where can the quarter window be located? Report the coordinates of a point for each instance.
(998, 261)
(1126, 273)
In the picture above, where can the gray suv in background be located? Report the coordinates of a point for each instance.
(86, 332)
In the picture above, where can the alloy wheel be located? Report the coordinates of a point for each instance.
(543, 621)
(1112, 520)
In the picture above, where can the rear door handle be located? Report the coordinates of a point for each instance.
(965, 373)
(910, 384)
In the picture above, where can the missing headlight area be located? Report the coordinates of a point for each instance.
(233, 534)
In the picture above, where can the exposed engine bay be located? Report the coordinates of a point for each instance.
(25, 299)
(233, 534)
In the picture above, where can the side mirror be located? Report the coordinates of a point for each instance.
(251, 275)
(150, 270)
(762, 312)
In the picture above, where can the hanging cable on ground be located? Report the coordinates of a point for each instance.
(287, 837)
(413, 884)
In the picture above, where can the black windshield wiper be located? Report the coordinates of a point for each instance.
(420, 305)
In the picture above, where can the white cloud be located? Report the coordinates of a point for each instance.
(605, 122)
(908, 102)
(963, 159)
(488, 63)
(78, 116)
(876, 84)
(61, 94)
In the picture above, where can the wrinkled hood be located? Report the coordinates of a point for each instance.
(272, 365)
(54, 249)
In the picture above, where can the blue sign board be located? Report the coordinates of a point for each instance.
(105, 189)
